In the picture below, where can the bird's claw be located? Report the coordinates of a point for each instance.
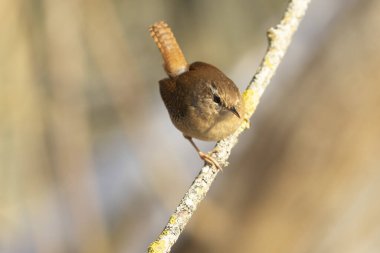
(208, 159)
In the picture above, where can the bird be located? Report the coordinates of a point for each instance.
(202, 102)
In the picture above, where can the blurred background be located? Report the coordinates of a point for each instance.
(90, 162)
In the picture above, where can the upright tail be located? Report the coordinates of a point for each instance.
(174, 60)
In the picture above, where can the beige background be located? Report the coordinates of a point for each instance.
(89, 161)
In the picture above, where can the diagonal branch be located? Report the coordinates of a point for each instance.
(279, 38)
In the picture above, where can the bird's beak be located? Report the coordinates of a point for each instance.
(234, 111)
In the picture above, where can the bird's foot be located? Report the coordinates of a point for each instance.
(208, 159)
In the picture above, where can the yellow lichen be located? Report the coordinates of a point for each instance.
(249, 103)
(173, 219)
(268, 62)
(158, 246)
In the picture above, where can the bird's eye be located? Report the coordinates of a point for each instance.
(216, 99)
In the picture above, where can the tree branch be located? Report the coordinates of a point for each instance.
(279, 38)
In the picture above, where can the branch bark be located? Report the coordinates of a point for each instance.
(279, 38)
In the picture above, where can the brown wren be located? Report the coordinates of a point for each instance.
(202, 102)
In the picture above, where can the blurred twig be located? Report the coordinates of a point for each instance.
(279, 38)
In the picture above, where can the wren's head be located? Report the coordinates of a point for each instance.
(225, 97)
(219, 94)
(203, 102)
